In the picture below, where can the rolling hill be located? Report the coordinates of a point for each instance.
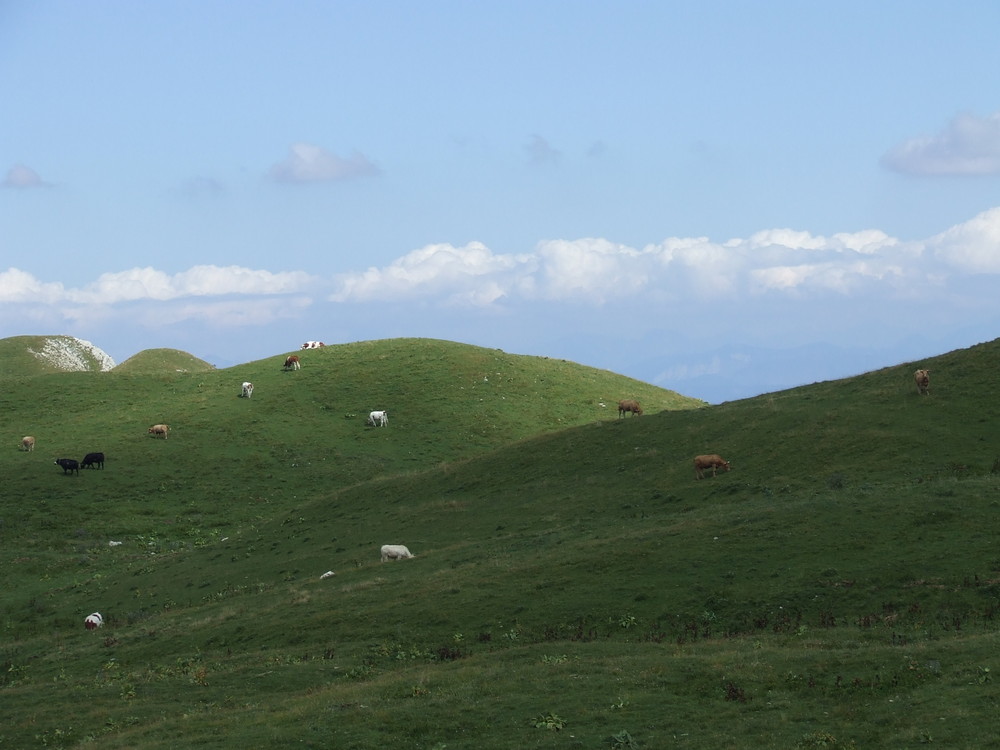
(573, 585)
(155, 361)
(35, 355)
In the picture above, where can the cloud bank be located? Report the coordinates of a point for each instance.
(598, 272)
(684, 309)
(150, 284)
(595, 272)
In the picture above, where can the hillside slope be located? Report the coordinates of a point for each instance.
(156, 361)
(445, 401)
(842, 574)
(35, 355)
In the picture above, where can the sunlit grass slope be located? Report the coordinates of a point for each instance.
(162, 361)
(36, 355)
(573, 585)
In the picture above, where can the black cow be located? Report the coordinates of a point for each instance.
(93, 461)
(69, 465)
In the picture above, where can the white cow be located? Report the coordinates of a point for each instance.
(247, 391)
(395, 552)
(313, 345)
(378, 418)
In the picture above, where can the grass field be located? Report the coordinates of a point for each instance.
(573, 587)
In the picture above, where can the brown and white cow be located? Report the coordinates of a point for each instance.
(711, 461)
(628, 405)
(313, 345)
(292, 362)
(159, 429)
(923, 381)
(27, 443)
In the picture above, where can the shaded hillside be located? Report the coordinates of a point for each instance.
(842, 573)
(162, 361)
(36, 355)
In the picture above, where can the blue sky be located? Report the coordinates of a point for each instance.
(722, 198)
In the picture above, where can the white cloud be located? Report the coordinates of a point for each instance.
(309, 163)
(973, 246)
(472, 274)
(866, 242)
(19, 286)
(199, 281)
(789, 238)
(596, 271)
(969, 145)
(20, 176)
(577, 278)
(842, 279)
(151, 284)
(589, 269)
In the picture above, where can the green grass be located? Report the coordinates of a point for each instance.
(157, 361)
(36, 355)
(573, 585)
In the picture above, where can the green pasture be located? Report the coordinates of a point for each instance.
(574, 586)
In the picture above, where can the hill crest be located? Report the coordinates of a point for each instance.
(154, 361)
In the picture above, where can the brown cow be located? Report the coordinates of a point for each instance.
(292, 362)
(159, 429)
(711, 461)
(629, 405)
(27, 443)
(923, 380)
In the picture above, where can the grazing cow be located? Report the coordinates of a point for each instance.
(69, 465)
(27, 443)
(247, 391)
(629, 405)
(292, 363)
(378, 418)
(923, 380)
(395, 552)
(93, 621)
(159, 429)
(93, 461)
(313, 345)
(711, 461)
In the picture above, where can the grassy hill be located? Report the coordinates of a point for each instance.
(36, 355)
(155, 361)
(573, 585)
